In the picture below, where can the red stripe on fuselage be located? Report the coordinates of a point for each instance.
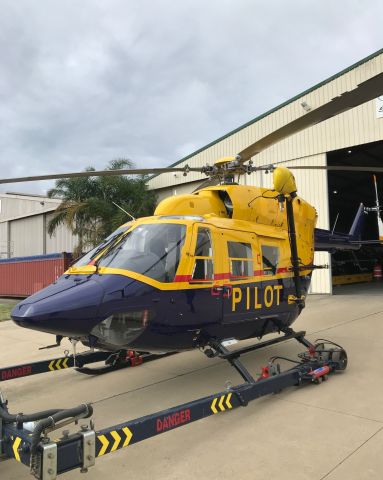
(226, 276)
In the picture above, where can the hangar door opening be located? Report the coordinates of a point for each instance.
(346, 191)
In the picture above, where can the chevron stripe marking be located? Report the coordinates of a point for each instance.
(214, 402)
(228, 404)
(58, 364)
(65, 362)
(220, 404)
(129, 436)
(15, 448)
(117, 440)
(105, 444)
(50, 366)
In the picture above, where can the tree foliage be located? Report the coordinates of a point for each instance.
(87, 206)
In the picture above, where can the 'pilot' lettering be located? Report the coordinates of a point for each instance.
(252, 297)
(256, 303)
(237, 297)
(278, 289)
(268, 296)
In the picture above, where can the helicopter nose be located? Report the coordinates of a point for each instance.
(69, 308)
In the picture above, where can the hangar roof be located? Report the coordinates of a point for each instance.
(269, 112)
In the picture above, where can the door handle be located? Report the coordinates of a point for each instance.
(224, 290)
(227, 291)
(216, 291)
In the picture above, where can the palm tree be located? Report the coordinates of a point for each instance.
(88, 204)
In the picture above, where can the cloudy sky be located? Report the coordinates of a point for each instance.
(85, 82)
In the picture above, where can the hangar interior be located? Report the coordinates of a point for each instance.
(346, 191)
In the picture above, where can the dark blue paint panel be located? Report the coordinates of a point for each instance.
(75, 304)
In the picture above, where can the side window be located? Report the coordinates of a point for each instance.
(203, 268)
(240, 259)
(270, 258)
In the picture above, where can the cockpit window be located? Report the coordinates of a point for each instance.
(153, 250)
(92, 254)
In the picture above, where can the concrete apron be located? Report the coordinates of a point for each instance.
(330, 431)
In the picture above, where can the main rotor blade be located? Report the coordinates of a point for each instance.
(335, 168)
(364, 92)
(99, 173)
(210, 182)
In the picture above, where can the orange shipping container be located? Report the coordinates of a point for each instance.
(22, 276)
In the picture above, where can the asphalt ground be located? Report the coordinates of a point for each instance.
(331, 431)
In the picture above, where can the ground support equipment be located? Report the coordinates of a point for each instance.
(31, 445)
(113, 361)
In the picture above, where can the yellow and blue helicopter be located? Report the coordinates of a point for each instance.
(225, 262)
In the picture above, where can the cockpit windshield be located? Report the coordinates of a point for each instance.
(153, 250)
(92, 254)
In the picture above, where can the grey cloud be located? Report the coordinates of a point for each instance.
(84, 82)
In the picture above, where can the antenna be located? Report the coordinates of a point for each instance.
(118, 206)
(336, 221)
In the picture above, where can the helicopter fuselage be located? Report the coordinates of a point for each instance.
(172, 282)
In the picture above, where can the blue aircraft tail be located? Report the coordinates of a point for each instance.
(356, 229)
(327, 241)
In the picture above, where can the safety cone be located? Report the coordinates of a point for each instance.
(377, 273)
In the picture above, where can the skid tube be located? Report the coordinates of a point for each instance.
(114, 361)
(48, 459)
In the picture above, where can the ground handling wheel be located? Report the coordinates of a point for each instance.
(332, 353)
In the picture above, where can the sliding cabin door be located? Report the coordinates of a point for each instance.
(254, 290)
(243, 282)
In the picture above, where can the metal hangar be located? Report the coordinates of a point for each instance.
(353, 138)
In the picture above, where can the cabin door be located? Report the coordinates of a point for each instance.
(243, 277)
(204, 294)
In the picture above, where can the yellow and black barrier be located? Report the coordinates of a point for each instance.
(113, 440)
(222, 403)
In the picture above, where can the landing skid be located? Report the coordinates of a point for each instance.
(123, 359)
(113, 361)
(49, 458)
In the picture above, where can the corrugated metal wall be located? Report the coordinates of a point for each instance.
(22, 205)
(27, 236)
(357, 126)
(4, 247)
(23, 222)
(62, 241)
